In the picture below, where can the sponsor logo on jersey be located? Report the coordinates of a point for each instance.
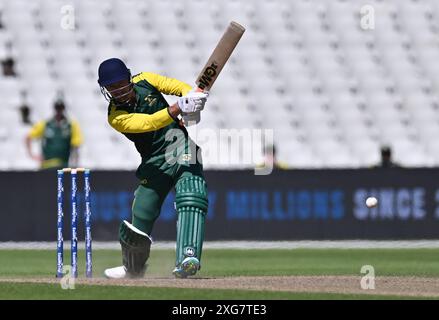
(150, 100)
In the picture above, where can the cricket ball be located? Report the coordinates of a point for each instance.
(371, 202)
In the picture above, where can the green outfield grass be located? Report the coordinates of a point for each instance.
(216, 263)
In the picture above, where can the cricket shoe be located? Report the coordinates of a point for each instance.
(188, 267)
(122, 273)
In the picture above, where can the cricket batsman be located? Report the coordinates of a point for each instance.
(138, 110)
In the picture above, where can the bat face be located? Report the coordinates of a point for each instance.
(220, 55)
(218, 59)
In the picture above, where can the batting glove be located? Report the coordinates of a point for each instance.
(192, 102)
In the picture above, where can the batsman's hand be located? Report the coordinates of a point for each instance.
(192, 102)
(189, 119)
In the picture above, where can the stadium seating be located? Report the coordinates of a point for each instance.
(332, 92)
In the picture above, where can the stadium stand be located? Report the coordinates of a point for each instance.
(332, 91)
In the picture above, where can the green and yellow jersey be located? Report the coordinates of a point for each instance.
(57, 139)
(158, 138)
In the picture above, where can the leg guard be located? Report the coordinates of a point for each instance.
(135, 249)
(191, 204)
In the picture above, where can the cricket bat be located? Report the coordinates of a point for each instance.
(219, 56)
(215, 64)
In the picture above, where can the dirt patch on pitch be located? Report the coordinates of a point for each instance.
(409, 286)
(404, 286)
(401, 286)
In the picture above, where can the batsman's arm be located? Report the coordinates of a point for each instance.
(126, 122)
(164, 84)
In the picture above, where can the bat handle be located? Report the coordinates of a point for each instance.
(191, 119)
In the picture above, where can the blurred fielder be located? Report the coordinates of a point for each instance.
(60, 138)
(138, 110)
